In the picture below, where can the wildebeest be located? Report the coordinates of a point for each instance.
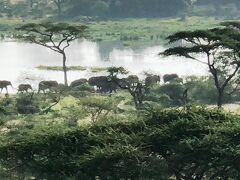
(44, 85)
(5, 84)
(103, 84)
(78, 82)
(170, 77)
(152, 79)
(24, 88)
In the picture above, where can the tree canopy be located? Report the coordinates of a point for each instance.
(54, 36)
(195, 143)
(220, 46)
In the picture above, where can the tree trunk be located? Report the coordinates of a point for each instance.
(135, 101)
(220, 98)
(140, 94)
(31, 4)
(65, 69)
(59, 10)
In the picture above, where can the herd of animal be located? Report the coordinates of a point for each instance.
(102, 83)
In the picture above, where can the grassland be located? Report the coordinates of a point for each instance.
(146, 29)
(130, 31)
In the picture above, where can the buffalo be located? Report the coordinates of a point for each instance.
(50, 85)
(5, 84)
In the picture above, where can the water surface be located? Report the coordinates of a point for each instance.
(18, 61)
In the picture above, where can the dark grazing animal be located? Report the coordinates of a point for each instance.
(5, 84)
(24, 88)
(78, 82)
(97, 81)
(50, 85)
(132, 79)
(152, 79)
(170, 77)
(103, 84)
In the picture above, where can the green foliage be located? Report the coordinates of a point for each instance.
(100, 8)
(43, 33)
(186, 143)
(220, 48)
(98, 106)
(59, 68)
(118, 8)
(27, 104)
(161, 99)
(7, 106)
(72, 68)
(195, 139)
(54, 36)
(84, 87)
(113, 30)
(167, 95)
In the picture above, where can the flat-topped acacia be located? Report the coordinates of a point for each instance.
(55, 36)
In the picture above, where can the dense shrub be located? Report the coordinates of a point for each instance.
(193, 143)
(7, 106)
(84, 87)
(170, 94)
(203, 91)
(26, 104)
(200, 90)
(197, 143)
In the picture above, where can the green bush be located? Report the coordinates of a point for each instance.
(7, 106)
(203, 91)
(162, 99)
(196, 142)
(186, 143)
(170, 94)
(84, 87)
(26, 104)
(98, 106)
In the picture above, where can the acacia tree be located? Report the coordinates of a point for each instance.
(54, 36)
(220, 48)
(98, 106)
(135, 88)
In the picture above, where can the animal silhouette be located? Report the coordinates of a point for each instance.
(24, 88)
(50, 85)
(5, 84)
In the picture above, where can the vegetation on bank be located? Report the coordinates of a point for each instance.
(105, 9)
(141, 32)
(73, 68)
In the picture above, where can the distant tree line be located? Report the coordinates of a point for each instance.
(118, 8)
(127, 8)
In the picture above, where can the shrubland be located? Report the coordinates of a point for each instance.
(194, 142)
(89, 135)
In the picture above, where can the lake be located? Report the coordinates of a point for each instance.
(19, 61)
